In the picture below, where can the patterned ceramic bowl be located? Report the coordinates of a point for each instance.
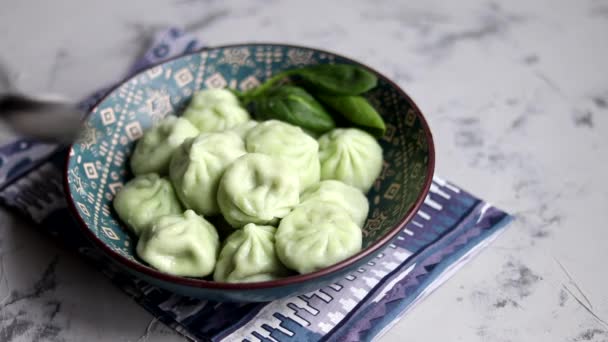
(97, 165)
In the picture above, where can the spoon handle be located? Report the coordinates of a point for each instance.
(46, 118)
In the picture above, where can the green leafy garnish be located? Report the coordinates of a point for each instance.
(358, 111)
(337, 86)
(294, 105)
(337, 79)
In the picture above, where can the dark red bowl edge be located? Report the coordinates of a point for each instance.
(200, 283)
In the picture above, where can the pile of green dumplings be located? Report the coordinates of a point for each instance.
(292, 202)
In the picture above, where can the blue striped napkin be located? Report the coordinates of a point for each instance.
(450, 228)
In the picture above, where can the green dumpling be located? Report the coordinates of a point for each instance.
(257, 188)
(243, 129)
(180, 244)
(143, 199)
(215, 110)
(197, 166)
(316, 235)
(249, 256)
(344, 195)
(212, 96)
(290, 143)
(153, 151)
(350, 155)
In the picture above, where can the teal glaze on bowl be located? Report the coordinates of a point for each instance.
(97, 166)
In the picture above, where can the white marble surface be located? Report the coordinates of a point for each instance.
(516, 94)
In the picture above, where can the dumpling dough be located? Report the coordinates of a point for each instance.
(344, 195)
(215, 110)
(144, 199)
(249, 256)
(153, 151)
(197, 166)
(316, 235)
(290, 143)
(350, 155)
(183, 245)
(243, 129)
(212, 96)
(257, 188)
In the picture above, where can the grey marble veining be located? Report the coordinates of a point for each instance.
(516, 94)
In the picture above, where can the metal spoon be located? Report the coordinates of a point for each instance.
(49, 118)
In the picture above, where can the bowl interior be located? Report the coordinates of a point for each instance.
(98, 162)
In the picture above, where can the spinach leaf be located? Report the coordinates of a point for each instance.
(296, 106)
(336, 79)
(358, 111)
(265, 87)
